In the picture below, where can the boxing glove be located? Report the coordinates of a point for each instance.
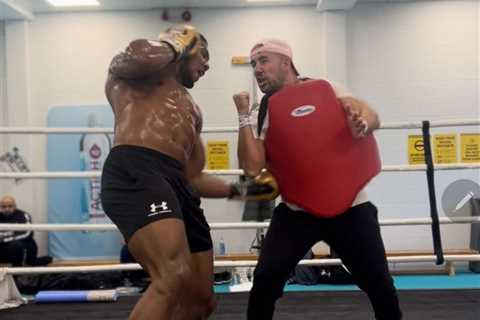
(262, 187)
(184, 39)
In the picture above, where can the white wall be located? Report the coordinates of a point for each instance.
(2, 93)
(2, 73)
(415, 61)
(18, 110)
(411, 61)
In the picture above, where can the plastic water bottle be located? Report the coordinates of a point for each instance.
(221, 247)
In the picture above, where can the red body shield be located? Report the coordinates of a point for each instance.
(318, 164)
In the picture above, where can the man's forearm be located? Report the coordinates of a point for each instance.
(357, 109)
(371, 116)
(251, 153)
(209, 186)
(375, 121)
(141, 58)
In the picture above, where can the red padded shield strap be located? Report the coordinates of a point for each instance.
(318, 164)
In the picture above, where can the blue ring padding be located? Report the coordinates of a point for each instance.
(61, 296)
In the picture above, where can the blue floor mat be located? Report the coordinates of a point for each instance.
(403, 282)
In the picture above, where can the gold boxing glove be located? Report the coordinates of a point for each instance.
(184, 39)
(262, 187)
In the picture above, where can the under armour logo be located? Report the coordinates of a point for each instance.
(163, 207)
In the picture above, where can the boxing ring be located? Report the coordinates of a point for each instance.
(417, 304)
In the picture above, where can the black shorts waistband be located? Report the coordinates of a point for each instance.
(164, 158)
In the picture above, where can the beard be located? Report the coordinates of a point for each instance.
(186, 75)
(270, 86)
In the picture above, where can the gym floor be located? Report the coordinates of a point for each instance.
(422, 297)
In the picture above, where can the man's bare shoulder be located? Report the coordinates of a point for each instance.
(116, 86)
(113, 85)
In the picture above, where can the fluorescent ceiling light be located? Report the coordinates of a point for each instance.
(73, 3)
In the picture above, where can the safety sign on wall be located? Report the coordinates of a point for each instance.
(415, 150)
(470, 147)
(445, 146)
(218, 155)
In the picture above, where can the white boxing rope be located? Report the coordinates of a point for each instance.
(81, 130)
(73, 269)
(233, 172)
(46, 130)
(226, 263)
(51, 175)
(433, 124)
(386, 125)
(332, 262)
(422, 167)
(427, 221)
(86, 174)
(222, 225)
(57, 227)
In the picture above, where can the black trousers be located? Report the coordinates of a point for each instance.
(354, 236)
(19, 252)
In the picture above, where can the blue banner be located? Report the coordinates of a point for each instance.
(78, 200)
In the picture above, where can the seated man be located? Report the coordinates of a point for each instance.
(18, 247)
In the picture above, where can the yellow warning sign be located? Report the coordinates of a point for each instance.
(240, 60)
(415, 150)
(470, 147)
(218, 155)
(445, 148)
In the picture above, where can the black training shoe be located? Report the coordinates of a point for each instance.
(223, 277)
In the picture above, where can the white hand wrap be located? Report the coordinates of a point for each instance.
(243, 120)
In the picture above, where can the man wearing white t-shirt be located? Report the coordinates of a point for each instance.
(353, 231)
